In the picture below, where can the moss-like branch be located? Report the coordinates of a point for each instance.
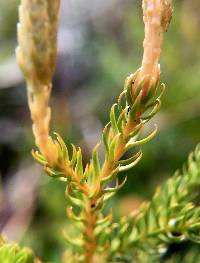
(12, 253)
(171, 217)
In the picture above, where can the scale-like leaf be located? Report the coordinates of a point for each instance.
(113, 119)
(132, 144)
(116, 188)
(79, 164)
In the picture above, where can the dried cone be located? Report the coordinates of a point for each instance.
(36, 55)
(156, 16)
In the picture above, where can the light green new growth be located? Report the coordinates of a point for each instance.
(172, 216)
(12, 253)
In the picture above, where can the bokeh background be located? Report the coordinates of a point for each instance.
(99, 44)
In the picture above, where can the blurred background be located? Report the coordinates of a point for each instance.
(99, 44)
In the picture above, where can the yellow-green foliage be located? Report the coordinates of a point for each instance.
(12, 253)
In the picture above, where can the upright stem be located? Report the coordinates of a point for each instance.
(90, 215)
(41, 116)
(156, 14)
(90, 244)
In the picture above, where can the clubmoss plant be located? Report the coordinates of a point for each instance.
(12, 253)
(172, 215)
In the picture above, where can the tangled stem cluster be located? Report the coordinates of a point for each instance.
(88, 188)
